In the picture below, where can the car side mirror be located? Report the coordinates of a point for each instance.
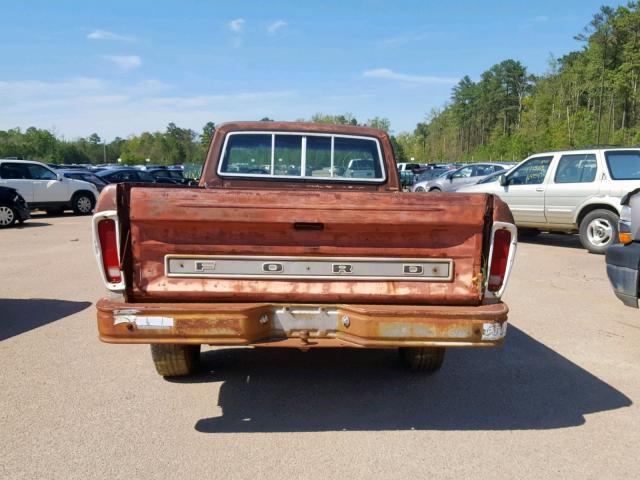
(503, 180)
(450, 176)
(60, 177)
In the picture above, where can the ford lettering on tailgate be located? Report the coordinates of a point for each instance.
(262, 267)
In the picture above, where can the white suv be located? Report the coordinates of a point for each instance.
(44, 189)
(570, 191)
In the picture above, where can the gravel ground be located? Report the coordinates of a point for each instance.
(559, 400)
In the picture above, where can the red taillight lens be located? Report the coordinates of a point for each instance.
(501, 246)
(109, 248)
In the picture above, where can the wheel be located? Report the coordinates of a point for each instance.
(172, 360)
(422, 359)
(435, 189)
(598, 230)
(528, 232)
(83, 203)
(8, 216)
(419, 189)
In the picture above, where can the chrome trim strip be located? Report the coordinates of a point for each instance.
(343, 268)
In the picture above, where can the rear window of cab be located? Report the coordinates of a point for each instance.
(292, 156)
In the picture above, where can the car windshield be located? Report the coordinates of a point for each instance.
(430, 174)
(165, 173)
(493, 177)
(624, 164)
(145, 177)
(160, 173)
(89, 177)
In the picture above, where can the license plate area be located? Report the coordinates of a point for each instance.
(289, 319)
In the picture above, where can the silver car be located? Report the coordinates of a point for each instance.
(569, 191)
(455, 179)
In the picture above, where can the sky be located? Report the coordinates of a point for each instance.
(118, 68)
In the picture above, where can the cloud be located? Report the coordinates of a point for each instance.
(275, 26)
(210, 100)
(539, 19)
(404, 39)
(534, 21)
(236, 25)
(79, 106)
(387, 74)
(124, 62)
(106, 35)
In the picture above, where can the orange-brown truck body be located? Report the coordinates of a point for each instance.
(267, 223)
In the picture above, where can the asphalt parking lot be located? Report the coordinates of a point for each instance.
(559, 400)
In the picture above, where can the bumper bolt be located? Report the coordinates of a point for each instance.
(264, 319)
(345, 321)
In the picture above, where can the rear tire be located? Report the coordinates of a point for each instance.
(8, 216)
(83, 203)
(435, 189)
(420, 189)
(422, 359)
(598, 230)
(173, 360)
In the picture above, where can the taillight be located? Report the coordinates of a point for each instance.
(106, 242)
(624, 225)
(501, 244)
(502, 252)
(109, 249)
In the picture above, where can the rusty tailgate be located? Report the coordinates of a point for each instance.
(343, 224)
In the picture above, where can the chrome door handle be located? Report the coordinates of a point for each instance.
(539, 189)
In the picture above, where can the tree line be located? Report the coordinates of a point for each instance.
(587, 97)
(173, 146)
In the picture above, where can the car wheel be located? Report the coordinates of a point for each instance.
(598, 230)
(422, 359)
(8, 216)
(419, 189)
(435, 189)
(83, 203)
(174, 360)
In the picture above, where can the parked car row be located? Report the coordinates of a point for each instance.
(452, 180)
(574, 191)
(43, 188)
(415, 176)
(29, 185)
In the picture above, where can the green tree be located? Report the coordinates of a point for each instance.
(380, 123)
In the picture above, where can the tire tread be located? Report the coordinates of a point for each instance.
(173, 360)
(422, 359)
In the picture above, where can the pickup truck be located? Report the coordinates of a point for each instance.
(276, 247)
(623, 258)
